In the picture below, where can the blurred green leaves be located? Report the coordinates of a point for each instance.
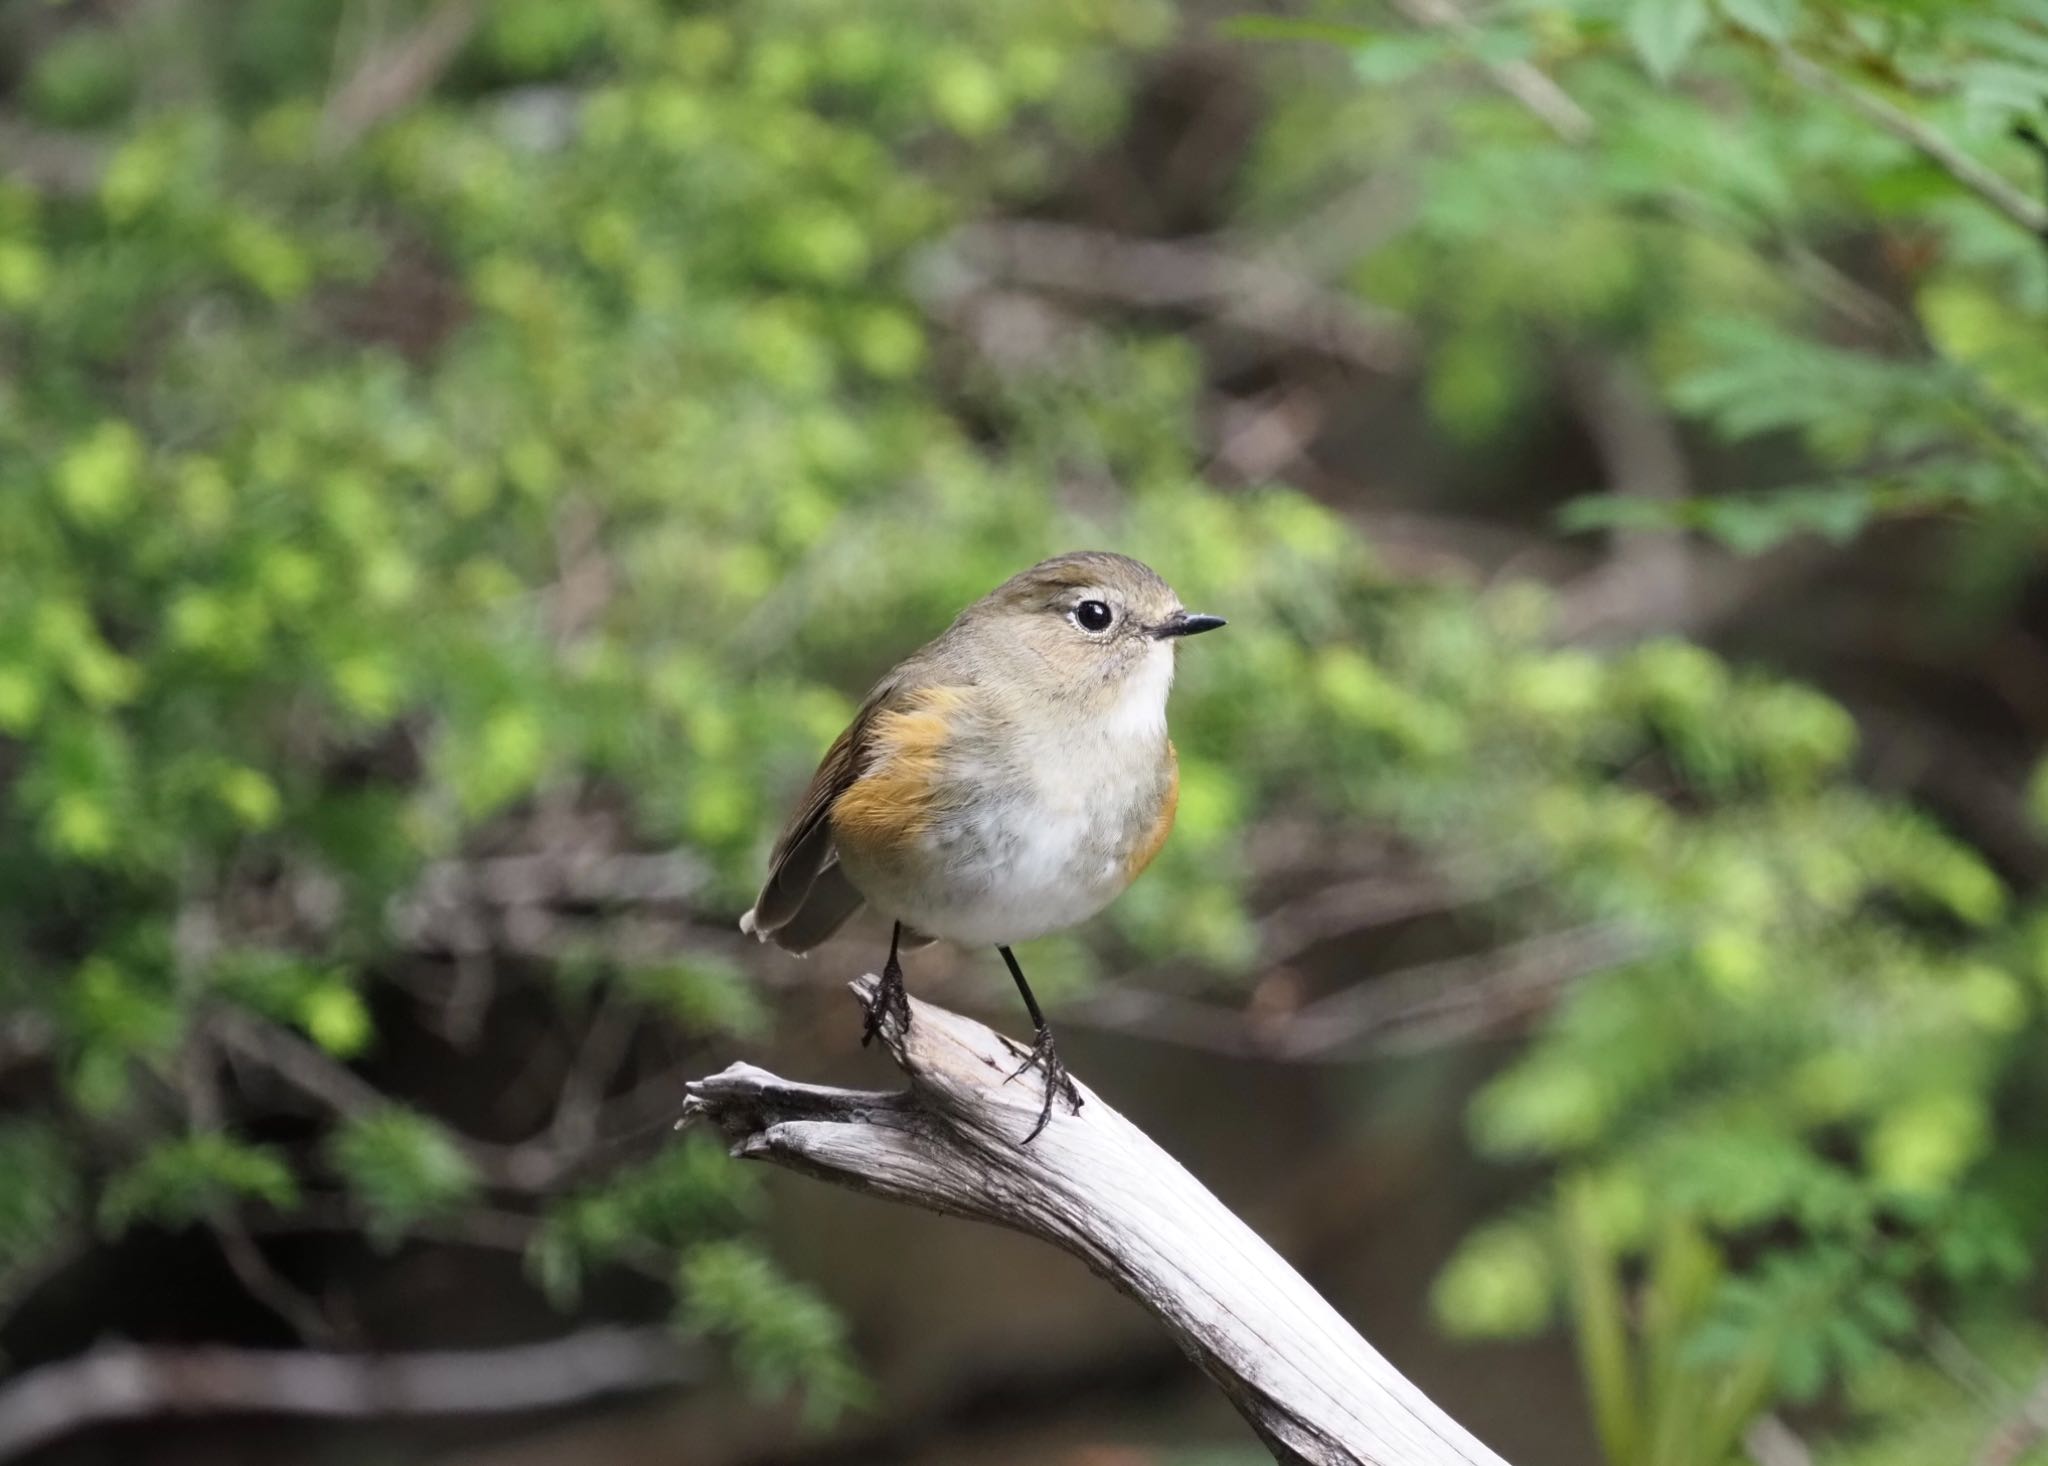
(1777, 1131)
(582, 428)
(569, 430)
(194, 1178)
(1664, 32)
(403, 1167)
(690, 1191)
(780, 1334)
(44, 1196)
(703, 994)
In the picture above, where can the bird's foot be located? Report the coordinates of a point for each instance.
(891, 999)
(1045, 1057)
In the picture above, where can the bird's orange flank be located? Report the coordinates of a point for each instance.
(1148, 848)
(892, 802)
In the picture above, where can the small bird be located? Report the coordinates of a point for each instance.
(1006, 780)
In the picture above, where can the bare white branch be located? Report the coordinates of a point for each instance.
(1096, 1186)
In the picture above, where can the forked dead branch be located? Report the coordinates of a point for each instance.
(1095, 1185)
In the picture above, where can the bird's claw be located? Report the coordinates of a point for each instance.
(891, 999)
(1045, 1057)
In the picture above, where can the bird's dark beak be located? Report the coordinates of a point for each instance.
(1187, 623)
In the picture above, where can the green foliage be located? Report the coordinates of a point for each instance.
(42, 1196)
(316, 998)
(1651, 1402)
(702, 994)
(780, 1332)
(1794, 1105)
(579, 430)
(1951, 1410)
(1501, 1284)
(310, 454)
(193, 1178)
(1689, 222)
(691, 1191)
(403, 1167)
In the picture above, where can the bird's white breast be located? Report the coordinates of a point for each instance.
(1039, 835)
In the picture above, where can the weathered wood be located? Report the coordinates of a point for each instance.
(1095, 1185)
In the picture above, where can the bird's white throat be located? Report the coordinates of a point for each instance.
(1138, 712)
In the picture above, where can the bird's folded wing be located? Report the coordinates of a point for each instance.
(824, 909)
(804, 851)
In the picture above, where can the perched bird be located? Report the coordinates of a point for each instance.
(1007, 780)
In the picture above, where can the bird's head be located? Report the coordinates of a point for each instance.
(1091, 630)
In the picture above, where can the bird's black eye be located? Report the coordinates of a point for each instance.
(1092, 615)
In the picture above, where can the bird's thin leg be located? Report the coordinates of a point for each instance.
(891, 997)
(1045, 1057)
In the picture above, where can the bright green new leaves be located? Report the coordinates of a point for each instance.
(1500, 1285)
(536, 442)
(1690, 214)
(316, 998)
(99, 480)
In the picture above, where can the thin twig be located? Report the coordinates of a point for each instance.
(393, 77)
(25, 1038)
(2036, 143)
(1771, 1442)
(529, 1166)
(1989, 185)
(2027, 1428)
(1356, 904)
(1422, 1005)
(488, 1228)
(1156, 274)
(269, 1287)
(1646, 580)
(295, 1061)
(605, 1043)
(1425, 1006)
(199, 1082)
(1548, 102)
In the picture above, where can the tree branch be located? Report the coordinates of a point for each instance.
(394, 76)
(116, 1382)
(1093, 1184)
(1989, 185)
(1544, 99)
(1256, 295)
(47, 161)
(530, 1166)
(1429, 1005)
(2026, 1428)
